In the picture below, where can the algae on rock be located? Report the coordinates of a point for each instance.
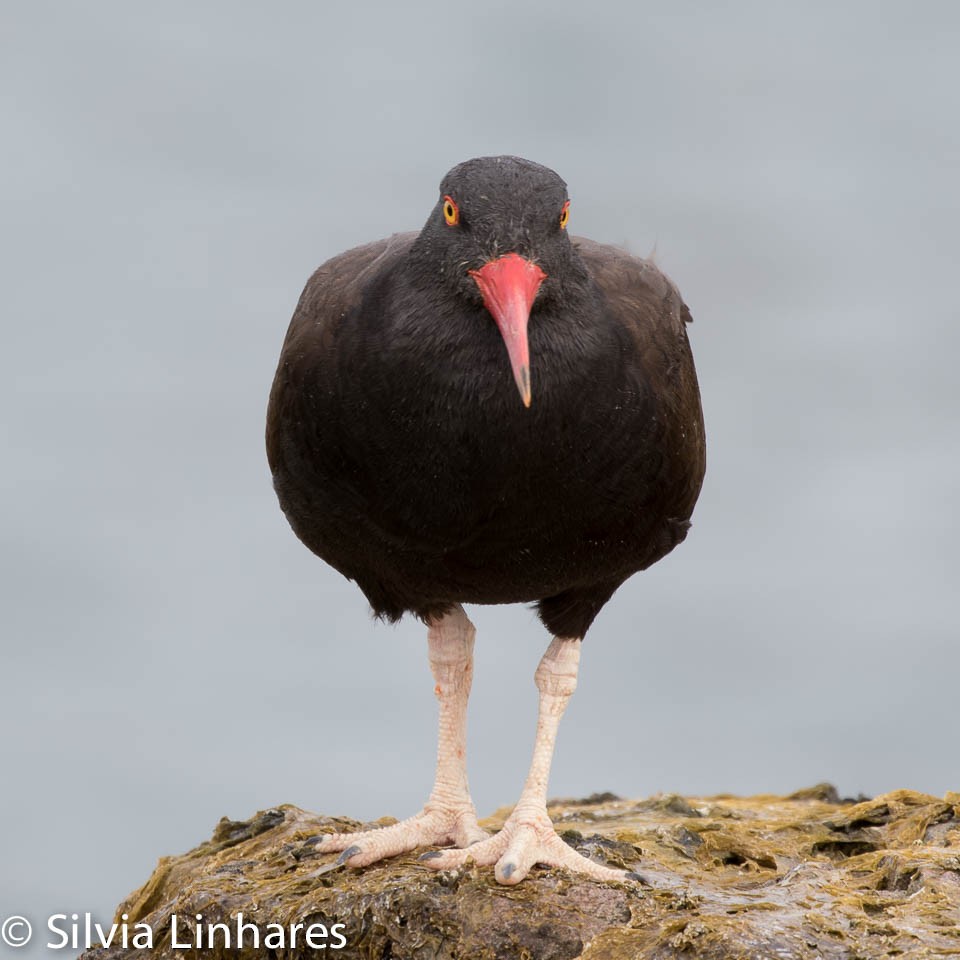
(805, 876)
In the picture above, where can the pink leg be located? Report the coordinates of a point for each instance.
(449, 816)
(528, 836)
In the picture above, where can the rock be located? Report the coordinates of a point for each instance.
(805, 876)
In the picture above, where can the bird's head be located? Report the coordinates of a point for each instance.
(498, 236)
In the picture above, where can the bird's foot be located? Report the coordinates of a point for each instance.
(526, 838)
(435, 825)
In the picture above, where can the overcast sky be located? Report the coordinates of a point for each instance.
(173, 173)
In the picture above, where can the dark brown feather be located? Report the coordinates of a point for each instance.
(402, 456)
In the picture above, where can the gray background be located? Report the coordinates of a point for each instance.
(172, 174)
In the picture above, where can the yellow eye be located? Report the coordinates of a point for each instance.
(451, 212)
(565, 216)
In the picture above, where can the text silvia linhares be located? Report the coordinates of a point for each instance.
(82, 931)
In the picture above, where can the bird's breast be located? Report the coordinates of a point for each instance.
(443, 450)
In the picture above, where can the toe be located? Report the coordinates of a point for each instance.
(443, 859)
(565, 856)
(509, 873)
(334, 842)
(348, 854)
(521, 854)
(483, 853)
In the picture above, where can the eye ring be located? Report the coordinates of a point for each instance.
(451, 212)
(565, 215)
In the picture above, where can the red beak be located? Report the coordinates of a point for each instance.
(509, 286)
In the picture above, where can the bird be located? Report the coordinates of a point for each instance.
(487, 411)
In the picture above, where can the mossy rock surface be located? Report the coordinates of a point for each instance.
(805, 876)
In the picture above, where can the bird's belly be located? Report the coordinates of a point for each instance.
(509, 521)
(434, 495)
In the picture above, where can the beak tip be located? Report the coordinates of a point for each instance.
(523, 382)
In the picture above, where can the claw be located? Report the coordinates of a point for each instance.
(519, 845)
(431, 855)
(347, 854)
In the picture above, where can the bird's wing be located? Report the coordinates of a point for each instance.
(637, 290)
(647, 306)
(307, 358)
(334, 289)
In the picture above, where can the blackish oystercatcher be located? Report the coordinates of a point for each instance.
(487, 411)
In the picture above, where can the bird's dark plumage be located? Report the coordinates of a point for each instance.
(404, 457)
